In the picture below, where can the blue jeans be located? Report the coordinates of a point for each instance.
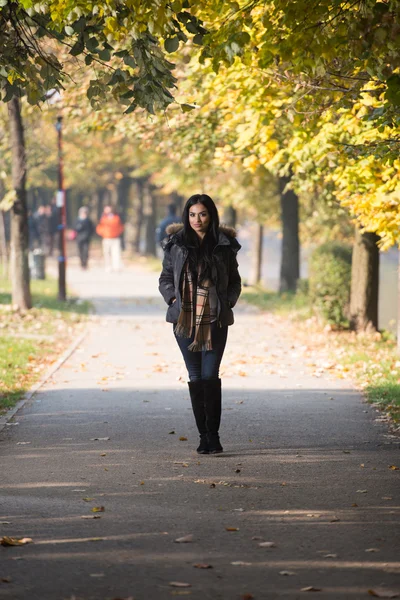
(204, 365)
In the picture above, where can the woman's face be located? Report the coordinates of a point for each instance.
(199, 219)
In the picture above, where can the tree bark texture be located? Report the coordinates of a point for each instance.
(364, 282)
(257, 250)
(21, 295)
(290, 259)
(398, 301)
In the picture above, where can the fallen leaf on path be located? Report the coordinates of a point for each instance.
(97, 509)
(103, 454)
(91, 517)
(267, 545)
(212, 485)
(372, 550)
(171, 432)
(96, 575)
(361, 491)
(103, 439)
(334, 520)
(202, 566)
(231, 529)
(5, 522)
(287, 573)
(387, 498)
(381, 593)
(330, 555)
(10, 541)
(87, 499)
(354, 504)
(179, 584)
(183, 438)
(184, 540)
(393, 468)
(6, 579)
(310, 588)
(23, 443)
(240, 563)
(247, 597)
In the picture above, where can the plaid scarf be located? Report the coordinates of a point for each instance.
(195, 314)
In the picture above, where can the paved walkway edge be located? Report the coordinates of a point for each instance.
(4, 419)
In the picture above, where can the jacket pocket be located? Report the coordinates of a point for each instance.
(173, 312)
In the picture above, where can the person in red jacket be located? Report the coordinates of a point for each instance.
(110, 228)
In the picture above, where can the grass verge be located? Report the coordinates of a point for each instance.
(371, 360)
(30, 341)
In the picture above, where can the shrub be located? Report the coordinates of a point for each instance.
(330, 281)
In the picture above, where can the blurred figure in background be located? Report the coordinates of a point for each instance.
(110, 228)
(42, 224)
(168, 220)
(33, 232)
(84, 230)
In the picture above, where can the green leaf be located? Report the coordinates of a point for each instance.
(188, 107)
(92, 43)
(88, 59)
(171, 44)
(105, 55)
(77, 48)
(130, 108)
(242, 38)
(198, 39)
(121, 53)
(192, 27)
(130, 61)
(79, 25)
(68, 29)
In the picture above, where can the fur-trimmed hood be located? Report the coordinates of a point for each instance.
(176, 227)
(227, 236)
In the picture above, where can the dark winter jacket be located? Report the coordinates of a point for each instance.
(224, 272)
(84, 230)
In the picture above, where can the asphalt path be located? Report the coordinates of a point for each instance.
(306, 468)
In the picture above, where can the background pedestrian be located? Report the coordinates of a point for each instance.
(171, 218)
(201, 284)
(110, 228)
(84, 230)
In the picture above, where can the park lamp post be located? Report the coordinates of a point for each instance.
(60, 203)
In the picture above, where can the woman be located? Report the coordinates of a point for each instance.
(84, 230)
(201, 284)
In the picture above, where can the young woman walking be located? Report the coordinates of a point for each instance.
(201, 284)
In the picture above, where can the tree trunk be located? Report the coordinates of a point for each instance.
(150, 247)
(257, 249)
(21, 295)
(3, 247)
(398, 302)
(364, 282)
(290, 260)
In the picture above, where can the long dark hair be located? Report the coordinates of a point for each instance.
(201, 252)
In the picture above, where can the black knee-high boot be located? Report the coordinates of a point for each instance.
(212, 401)
(196, 390)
